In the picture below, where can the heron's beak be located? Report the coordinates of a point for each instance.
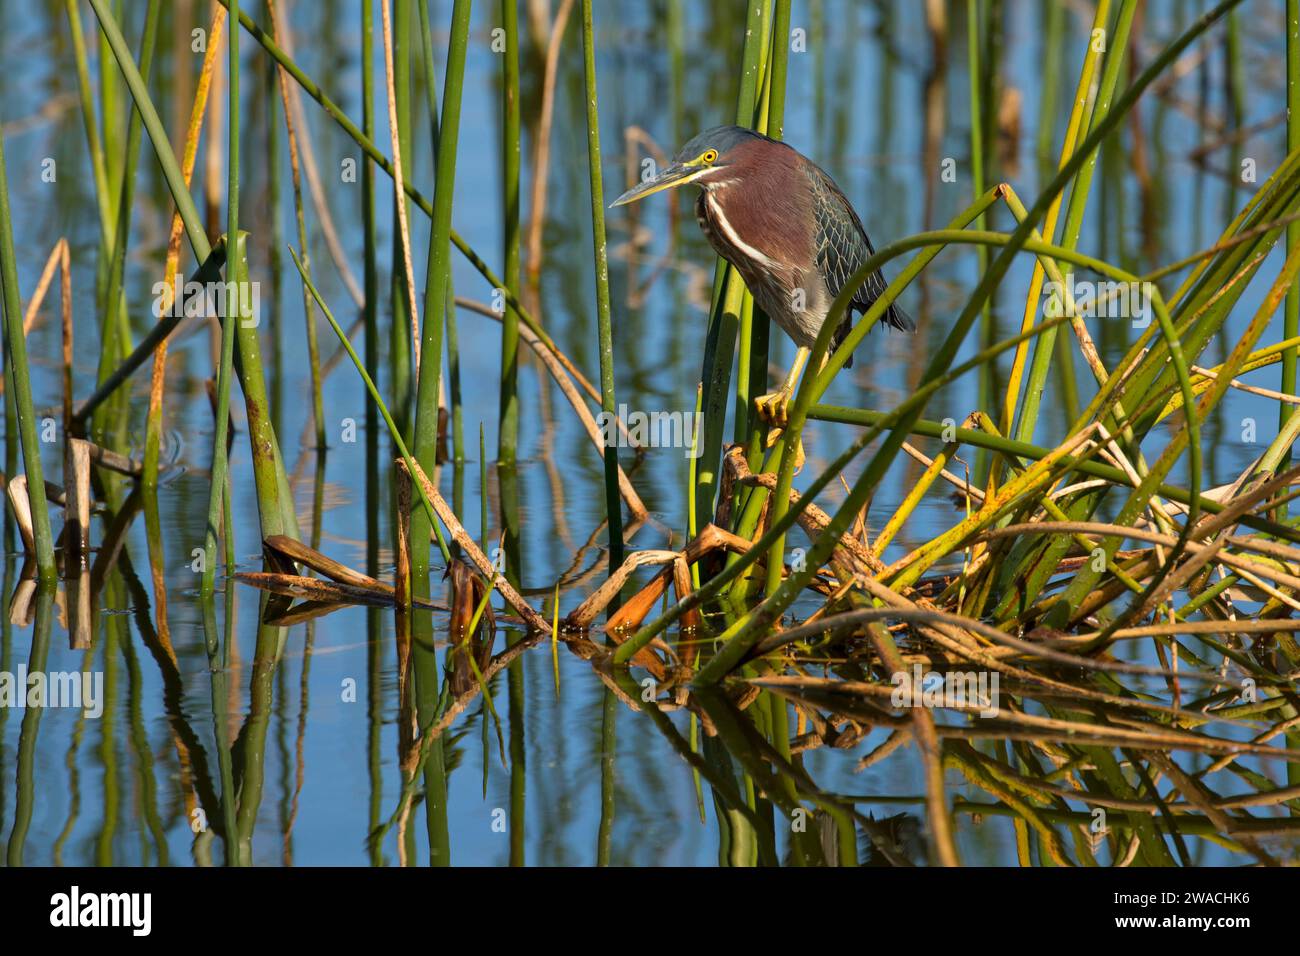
(678, 174)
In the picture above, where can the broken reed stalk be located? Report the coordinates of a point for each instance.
(402, 550)
(16, 490)
(708, 541)
(465, 540)
(157, 387)
(286, 552)
(472, 627)
(315, 589)
(542, 150)
(76, 524)
(65, 331)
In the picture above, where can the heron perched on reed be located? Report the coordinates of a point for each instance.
(787, 228)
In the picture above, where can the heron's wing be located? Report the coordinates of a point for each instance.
(843, 246)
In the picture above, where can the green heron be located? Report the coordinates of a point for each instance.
(783, 223)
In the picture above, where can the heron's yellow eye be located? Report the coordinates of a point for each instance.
(709, 156)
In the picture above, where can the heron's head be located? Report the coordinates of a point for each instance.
(725, 154)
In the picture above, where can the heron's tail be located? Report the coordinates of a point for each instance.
(898, 319)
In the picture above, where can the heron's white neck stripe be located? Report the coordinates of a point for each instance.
(755, 254)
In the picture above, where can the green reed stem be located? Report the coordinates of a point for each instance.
(370, 307)
(613, 500)
(19, 384)
(110, 347)
(274, 495)
(370, 281)
(86, 96)
(729, 293)
(453, 339)
(752, 374)
(1116, 45)
(508, 428)
(233, 318)
(437, 277)
(1023, 450)
(974, 80)
(157, 133)
(275, 254)
(427, 417)
(1291, 315)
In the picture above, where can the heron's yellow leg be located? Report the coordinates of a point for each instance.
(773, 407)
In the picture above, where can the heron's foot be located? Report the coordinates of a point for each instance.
(774, 436)
(774, 408)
